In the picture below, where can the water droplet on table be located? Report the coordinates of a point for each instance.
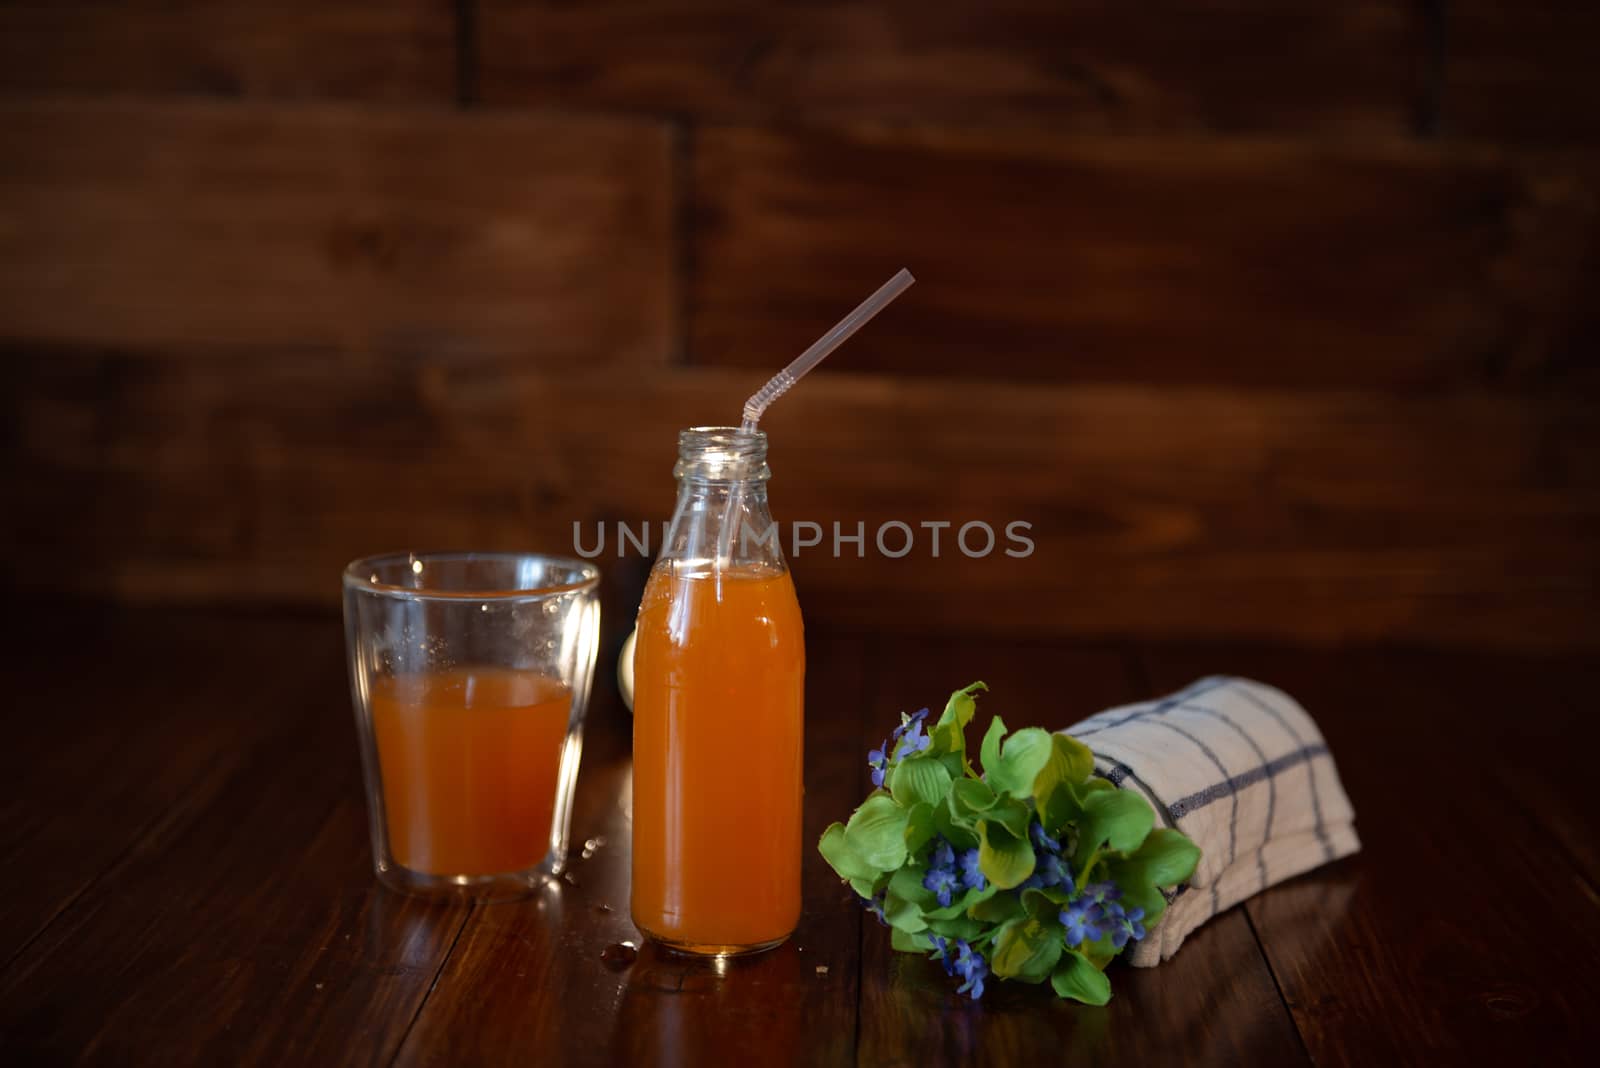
(619, 955)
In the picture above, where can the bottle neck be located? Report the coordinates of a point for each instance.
(721, 518)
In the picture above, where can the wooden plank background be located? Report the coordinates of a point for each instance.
(1271, 320)
(367, 235)
(382, 50)
(1085, 64)
(1255, 262)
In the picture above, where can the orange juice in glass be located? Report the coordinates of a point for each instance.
(469, 759)
(719, 680)
(469, 673)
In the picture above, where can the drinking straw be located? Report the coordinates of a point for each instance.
(785, 379)
(780, 383)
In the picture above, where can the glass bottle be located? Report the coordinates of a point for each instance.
(719, 680)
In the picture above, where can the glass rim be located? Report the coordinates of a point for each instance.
(358, 571)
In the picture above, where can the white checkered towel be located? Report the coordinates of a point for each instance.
(1241, 769)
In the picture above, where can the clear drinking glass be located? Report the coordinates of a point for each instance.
(470, 673)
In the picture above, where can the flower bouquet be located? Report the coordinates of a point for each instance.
(1033, 869)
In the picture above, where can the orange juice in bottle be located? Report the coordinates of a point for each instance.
(719, 679)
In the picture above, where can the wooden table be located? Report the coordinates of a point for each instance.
(188, 880)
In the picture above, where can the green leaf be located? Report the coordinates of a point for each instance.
(842, 857)
(949, 734)
(959, 832)
(1027, 950)
(903, 915)
(1066, 803)
(907, 885)
(1061, 807)
(919, 779)
(1125, 816)
(1167, 857)
(1075, 756)
(1004, 858)
(1080, 980)
(905, 942)
(1119, 818)
(998, 909)
(920, 827)
(1070, 763)
(864, 887)
(989, 752)
(1044, 904)
(969, 798)
(957, 927)
(962, 902)
(1011, 814)
(1099, 951)
(1020, 760)
(877, 832)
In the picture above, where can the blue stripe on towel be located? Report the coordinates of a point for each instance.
(1316, 798)
(1233, 816)
(1272, 789)
(1185, 805)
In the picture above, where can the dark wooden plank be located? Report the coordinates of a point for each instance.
(245, 927)
(1522, 72)
(527, 981)
(349, 49)
(1200, 261)
(92, 708)
(1544, 733)
(1213, 1003)
(1438, 937)
(1464, 518)
(1090, 64)
(383, 236)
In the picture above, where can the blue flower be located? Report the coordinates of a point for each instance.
(1127, 926)
(910, 722)
(944, 954)
(913, 741)
(1049, 871)
(908, 738)
(942, 877)
(874, 905)
(878, 761)
(1101, 892)
(1082, 922)
(1113, 922)
(972, 968)
(943, 883)
(1042, 840)
(971, 876)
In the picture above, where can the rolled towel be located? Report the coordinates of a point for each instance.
(1242, 770)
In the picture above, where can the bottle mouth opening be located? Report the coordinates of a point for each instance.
(721, 453)
(725, 437)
